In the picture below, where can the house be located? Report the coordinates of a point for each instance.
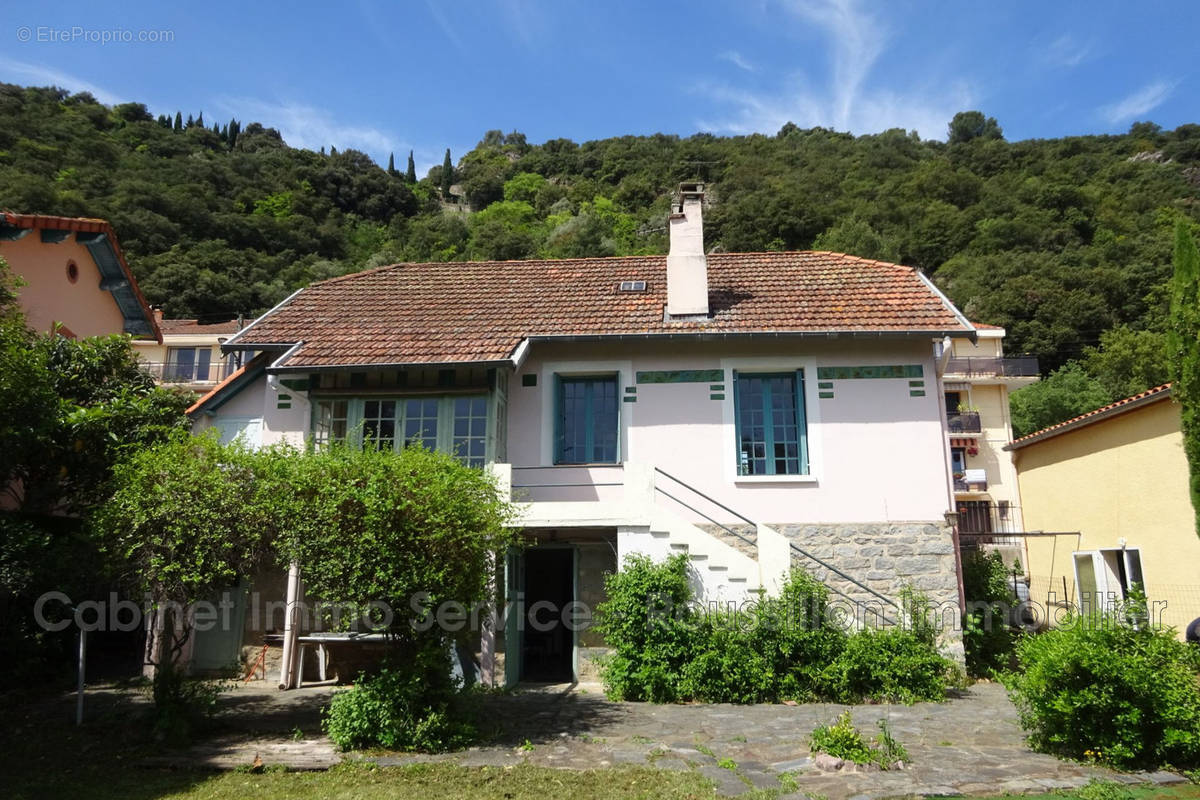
(977, 380)
(752, 410)
(76, 281)
(1117, 476)
(189, 355)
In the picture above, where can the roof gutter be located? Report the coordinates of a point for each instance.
(520, 352)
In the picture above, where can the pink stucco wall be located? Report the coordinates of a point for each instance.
(49, 297)
(877, 453)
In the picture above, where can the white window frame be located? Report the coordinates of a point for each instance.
(1108, 580)
(812, 416)
(445, 418)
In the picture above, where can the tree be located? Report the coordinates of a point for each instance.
(968, 125)
(391, 167)
(1065, 393)
(1128, 361)
(447, 175)
(185, 519)
(1183, 342)
(69, 411)
(855, 236)
(178, 121)
(410, 175)
(410, 529)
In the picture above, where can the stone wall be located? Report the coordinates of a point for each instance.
(887, 557)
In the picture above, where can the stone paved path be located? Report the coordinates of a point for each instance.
(967, 745)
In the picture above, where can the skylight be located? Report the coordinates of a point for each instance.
(632, 286)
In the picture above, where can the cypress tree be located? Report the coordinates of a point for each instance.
(447, 175)
(191, 121)
(1183, 350)
(235, 128)
(391, 163)
(410, 174)
(332, 150)
(178, 121)
(200, 119)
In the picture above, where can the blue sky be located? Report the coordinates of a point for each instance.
(426, 75)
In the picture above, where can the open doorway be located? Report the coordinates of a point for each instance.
(547, 645)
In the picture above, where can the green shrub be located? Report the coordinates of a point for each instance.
(889, 665)
(1101, 689)
(988, 639)
(783, 648)
(841, 739)
(416, 705)
(648, 625)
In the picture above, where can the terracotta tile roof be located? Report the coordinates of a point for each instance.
(983, 326)
(481, 311)
(86, 225)
(177, 327)
(1112, 409)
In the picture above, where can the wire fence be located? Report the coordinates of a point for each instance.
(1169, 604)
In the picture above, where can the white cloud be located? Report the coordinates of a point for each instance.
(1067, 51)
(435, 11)
(1143, 100)
(313, 128)
(735, 58)
(35, 74)
(856, 41)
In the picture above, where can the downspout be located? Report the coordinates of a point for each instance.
(287, 665)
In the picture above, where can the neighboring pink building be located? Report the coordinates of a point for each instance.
(753, 410)
(76, 279)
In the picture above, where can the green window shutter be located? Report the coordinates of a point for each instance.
(801, 422)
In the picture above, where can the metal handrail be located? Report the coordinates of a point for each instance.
(716, 503)
(569, 466)
(793, 546)
(834, 569)
(562, 485)
(706, 516)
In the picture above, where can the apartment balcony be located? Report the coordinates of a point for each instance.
(188, 374)
(971, 480)
(993, 367)
(964, 422)
(984, 522)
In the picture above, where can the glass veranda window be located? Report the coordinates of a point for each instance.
(771, 429)
(456, 425)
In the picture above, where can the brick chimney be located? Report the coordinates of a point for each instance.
(687, 267)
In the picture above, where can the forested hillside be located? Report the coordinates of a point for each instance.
(1059, 240)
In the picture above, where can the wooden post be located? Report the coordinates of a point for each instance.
(79, 685)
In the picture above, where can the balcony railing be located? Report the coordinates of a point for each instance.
(983, 522)
(168, 372)
(964, 422)
(979, 367)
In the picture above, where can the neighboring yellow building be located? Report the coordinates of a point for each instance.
(189, 355)
(976, 380)
(1118, 476)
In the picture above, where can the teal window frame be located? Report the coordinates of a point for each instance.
(351, 429)
(770, 423)
(591, 433)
